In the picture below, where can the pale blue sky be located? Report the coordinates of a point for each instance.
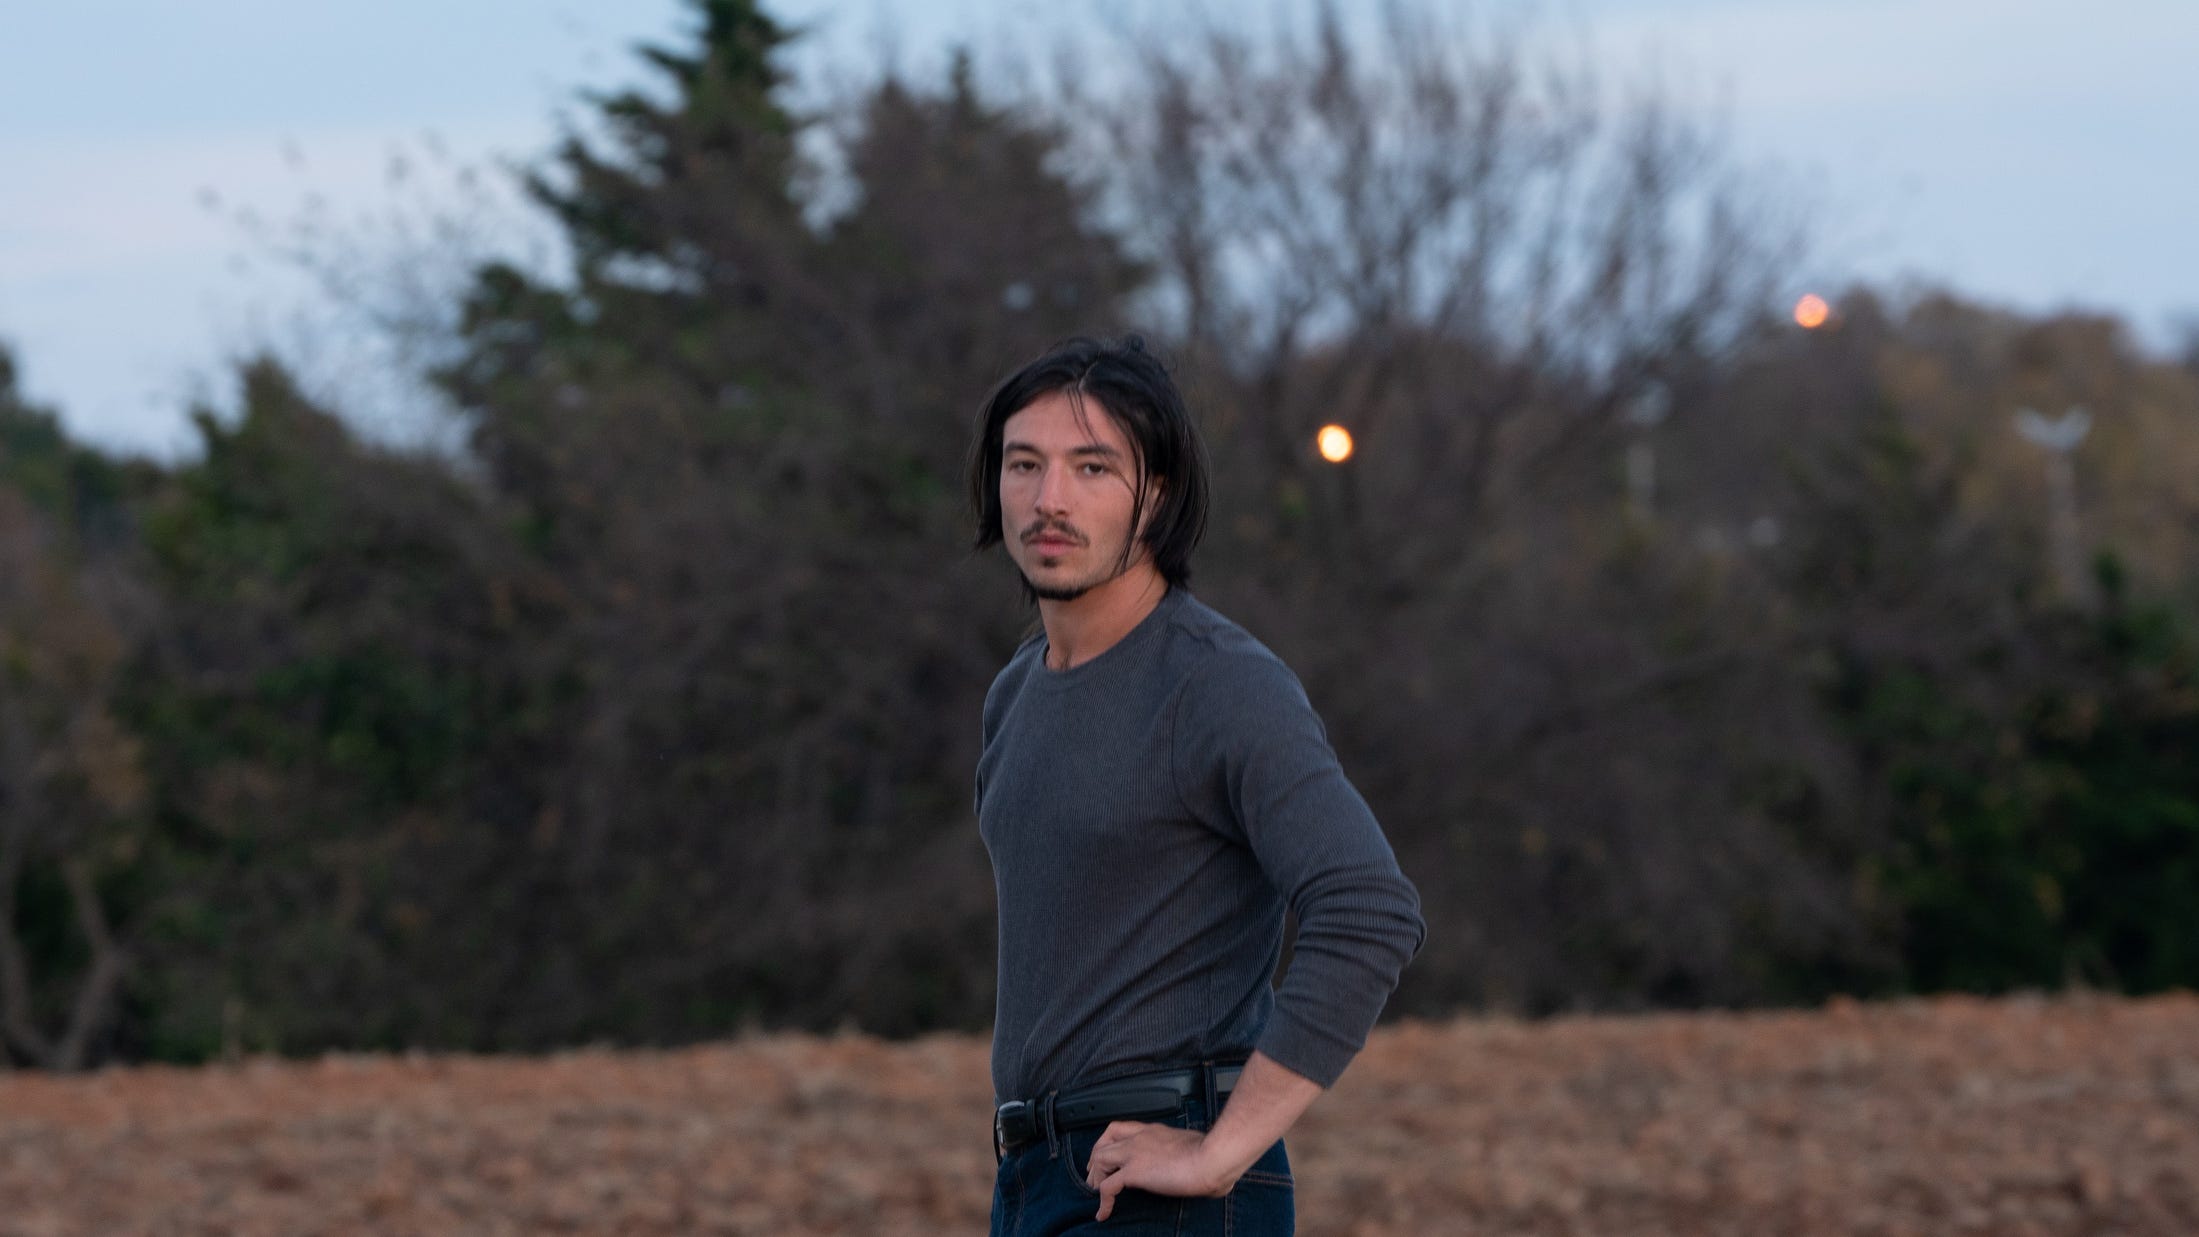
(2036, 152)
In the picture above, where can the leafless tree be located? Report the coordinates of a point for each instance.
(69, 780)
(1478, 259)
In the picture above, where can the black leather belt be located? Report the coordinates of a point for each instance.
(1019, 1123)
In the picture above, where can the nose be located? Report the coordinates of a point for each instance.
(1051, 495)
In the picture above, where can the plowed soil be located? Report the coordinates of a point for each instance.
(2074, 1115)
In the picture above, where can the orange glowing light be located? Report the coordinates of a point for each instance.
(1811, 312)
(1334, 442)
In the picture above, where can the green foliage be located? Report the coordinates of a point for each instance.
(2034, 760)
(329, 701)
(2049, 834)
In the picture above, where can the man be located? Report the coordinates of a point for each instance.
(1154, 791)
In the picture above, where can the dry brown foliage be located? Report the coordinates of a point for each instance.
(2021, 1116)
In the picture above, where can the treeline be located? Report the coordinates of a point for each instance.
(1688, 657)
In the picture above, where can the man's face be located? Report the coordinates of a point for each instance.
(1067, 493)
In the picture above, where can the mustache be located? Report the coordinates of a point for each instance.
(1045, 527)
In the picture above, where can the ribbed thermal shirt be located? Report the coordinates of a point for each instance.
(1150, 814)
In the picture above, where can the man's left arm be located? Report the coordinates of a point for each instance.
(1251, 754)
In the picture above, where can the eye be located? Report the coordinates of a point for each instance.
(1020, 465)
(1093, 468)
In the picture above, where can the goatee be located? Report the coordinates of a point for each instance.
(1057, 593)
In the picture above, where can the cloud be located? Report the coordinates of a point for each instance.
(126, 277)
(1808, 54)
(95, 206)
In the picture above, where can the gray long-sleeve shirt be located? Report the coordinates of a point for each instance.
(1150, 813)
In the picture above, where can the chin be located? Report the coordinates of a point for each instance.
(1056, 582)
(1057, 590)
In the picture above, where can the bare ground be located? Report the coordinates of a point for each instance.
(2075, 1115)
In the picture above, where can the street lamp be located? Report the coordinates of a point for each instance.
(1334, 443)
(2060, 437)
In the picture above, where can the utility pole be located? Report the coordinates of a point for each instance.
(2060, 438)
(1647, 411)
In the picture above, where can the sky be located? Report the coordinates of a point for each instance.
(155, 156)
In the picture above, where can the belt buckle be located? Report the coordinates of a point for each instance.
(1013, 1109)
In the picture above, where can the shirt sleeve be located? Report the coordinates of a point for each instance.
(1253, 759)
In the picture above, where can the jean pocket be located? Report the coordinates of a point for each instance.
(1264, 1200)
(1076, 1157)
(1270, 1171)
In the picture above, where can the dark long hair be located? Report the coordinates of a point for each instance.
(1132, 386)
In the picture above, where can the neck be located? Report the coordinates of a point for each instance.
(1080, 630)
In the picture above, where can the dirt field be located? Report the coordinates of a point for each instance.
(2073, 1115)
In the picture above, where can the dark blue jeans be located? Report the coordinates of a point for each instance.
(1040, 1192)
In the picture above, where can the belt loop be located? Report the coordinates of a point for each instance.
(1046, 1123)
(1213, 1097)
